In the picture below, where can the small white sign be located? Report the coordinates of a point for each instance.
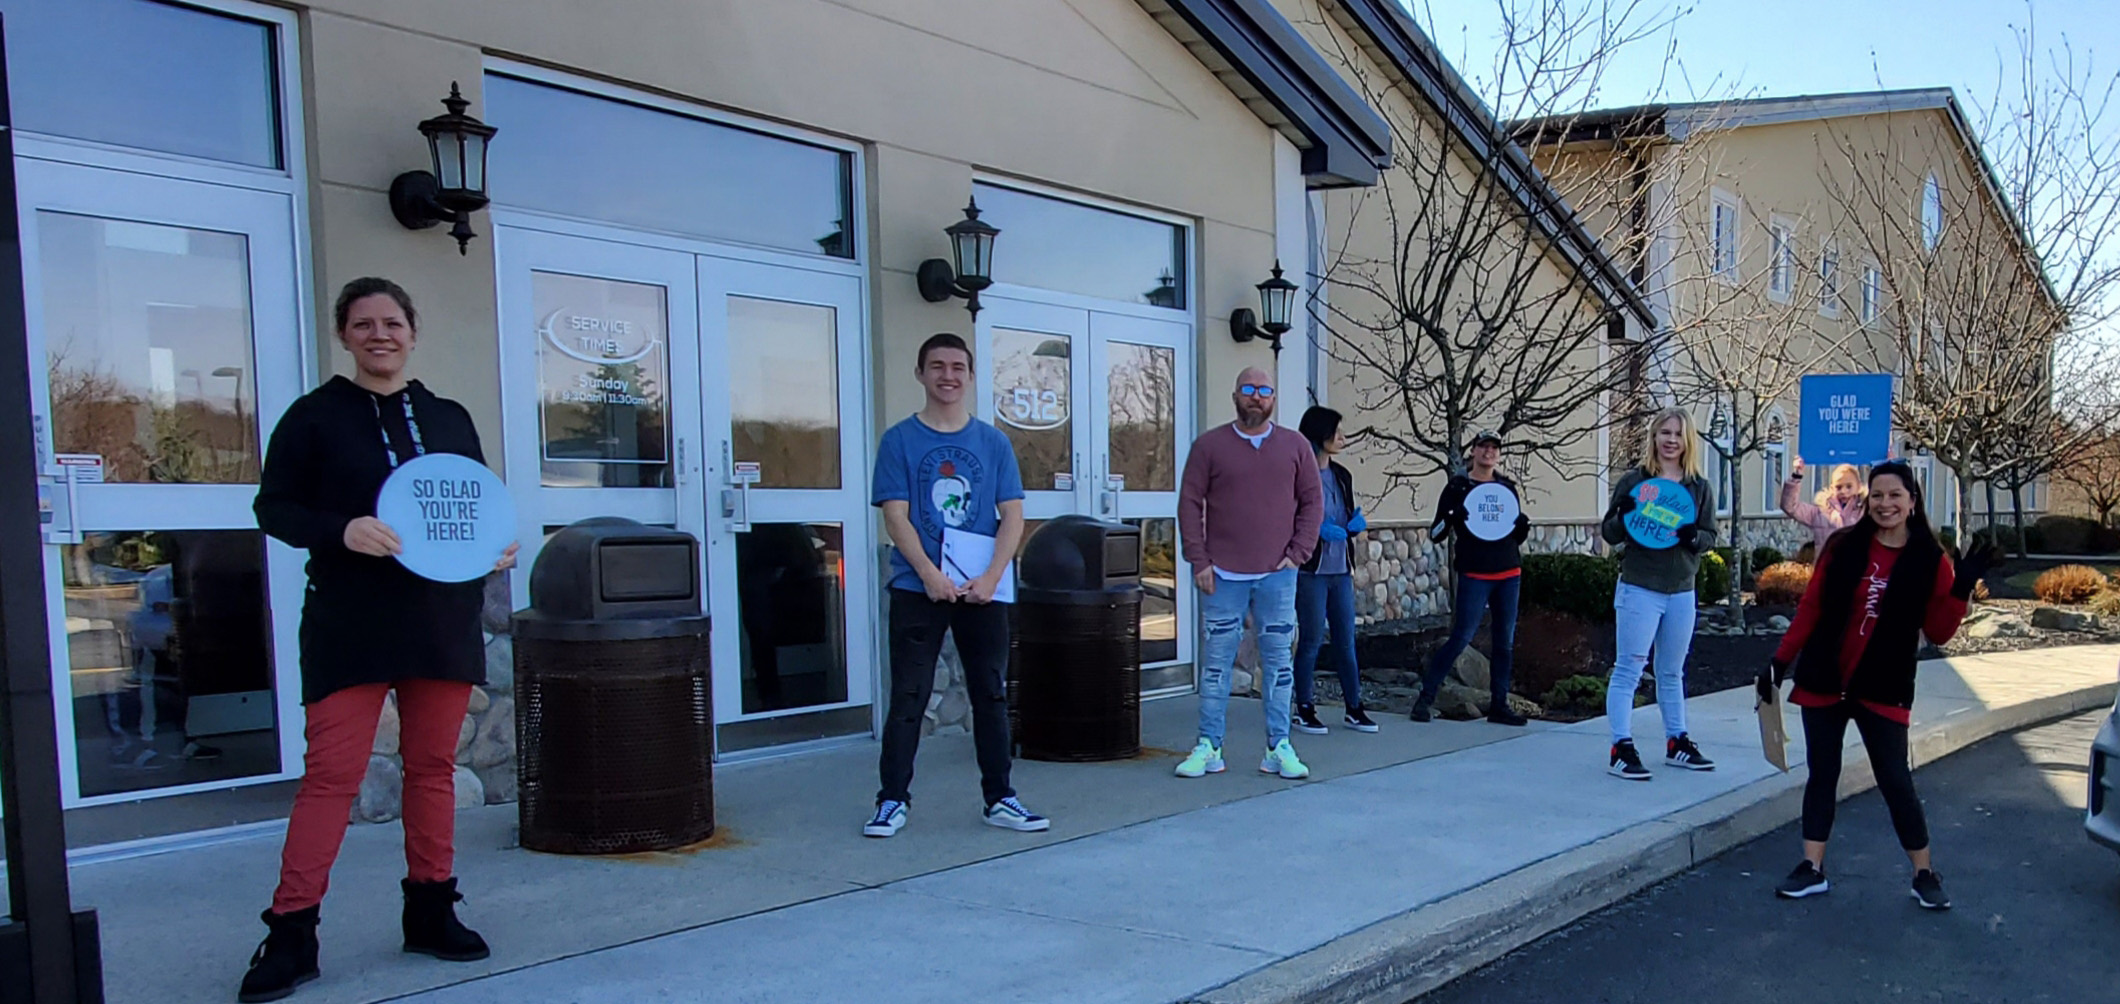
(1115, 482)
(744, 472)
(453, 517)
(1063, 482)
(1491, 511)
(85, 468)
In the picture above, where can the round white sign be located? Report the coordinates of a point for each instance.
(453, 517)
(1491, 511)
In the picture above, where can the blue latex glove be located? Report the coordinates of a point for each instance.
(1332, 531)
(1359, 523)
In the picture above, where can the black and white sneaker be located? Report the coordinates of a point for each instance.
(1627, 763)
(1357, 720)
(889, 819)
(1307, 720)
(1679, 751)
(1928, 891)
(1010, 814)
(1806, 880)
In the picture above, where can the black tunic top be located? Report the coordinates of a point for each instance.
(365, 619)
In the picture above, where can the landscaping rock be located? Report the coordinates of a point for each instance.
(1526, 706)
(499, 783)
(1472, 670)
(2057, 619)
(470, 791)
(386, 727)
(382, 792)
(1461, 703)
(1998, 626)
(1778, 623)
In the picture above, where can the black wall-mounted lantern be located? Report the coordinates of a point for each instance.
(1277, 303)
(972, 247)
(456, 188)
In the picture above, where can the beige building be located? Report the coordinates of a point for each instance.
(1783, 236)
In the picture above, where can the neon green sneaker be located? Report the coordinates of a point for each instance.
(1282, 760)
(1204, 759)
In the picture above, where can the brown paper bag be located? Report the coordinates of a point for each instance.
(1773, 735)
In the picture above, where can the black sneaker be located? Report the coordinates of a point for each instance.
(1806, 880)
(1501, 715)
(1307, 720)
(1627, 763)
(1422, 711)
(1357, 720)
(1679, 751)
(1928, 891)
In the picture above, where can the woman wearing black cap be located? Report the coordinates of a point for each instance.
(1881, 585)
(369, 627)
(1489, 578)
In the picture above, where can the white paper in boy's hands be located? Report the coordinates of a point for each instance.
(966, 556)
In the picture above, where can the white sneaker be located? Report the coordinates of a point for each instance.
(1282, 760)
(889, 819)
(1205, 758)
(1010, 814)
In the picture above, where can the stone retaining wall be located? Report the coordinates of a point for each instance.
(485, 743)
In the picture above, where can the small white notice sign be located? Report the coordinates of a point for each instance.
(82, 468)
(745, 472)
(453, 517)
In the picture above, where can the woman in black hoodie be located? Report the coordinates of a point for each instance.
(1881, 585)
(1489, 577)
(369, 627)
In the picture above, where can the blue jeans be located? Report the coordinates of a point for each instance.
(1324, 601)
(1272, 603)
(1474, 598)
(1644, 617)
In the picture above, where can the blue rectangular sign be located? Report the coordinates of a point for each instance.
(1847, 419)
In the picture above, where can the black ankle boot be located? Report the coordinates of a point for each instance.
(431, 927)
(285, 960)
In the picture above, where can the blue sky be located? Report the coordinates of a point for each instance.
(1768, 48)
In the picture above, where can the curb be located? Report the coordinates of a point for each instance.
(1402, 957)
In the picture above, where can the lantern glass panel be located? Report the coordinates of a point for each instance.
(1278, 304)
(449, 160)
(975, 255)
(475, 163)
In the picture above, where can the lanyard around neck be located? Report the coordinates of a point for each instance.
(412, 426)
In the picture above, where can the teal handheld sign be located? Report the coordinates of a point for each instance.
(1661, 506)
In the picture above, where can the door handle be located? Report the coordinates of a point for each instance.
(735, 499)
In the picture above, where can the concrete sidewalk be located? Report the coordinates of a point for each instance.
(1410, 856)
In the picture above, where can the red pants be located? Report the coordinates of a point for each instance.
(341, 734)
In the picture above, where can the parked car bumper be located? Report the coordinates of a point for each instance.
(2102, 821)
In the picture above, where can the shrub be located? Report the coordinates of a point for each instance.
(2004, 535)
(1782, 584)
(2068, 584)
(2107, 602)
(1552, 646)
(1583, 693)
(1711, 584)
(1764, 557)
(1579, 584)
(2076, 535)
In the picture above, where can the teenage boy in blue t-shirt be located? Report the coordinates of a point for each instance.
(944, 469)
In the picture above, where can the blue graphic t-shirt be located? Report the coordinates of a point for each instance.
(953, 479)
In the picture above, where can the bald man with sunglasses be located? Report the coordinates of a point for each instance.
(1248, 515)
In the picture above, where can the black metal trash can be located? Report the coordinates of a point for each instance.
(1074, 669)
(614, 717)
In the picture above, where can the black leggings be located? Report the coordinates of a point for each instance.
(1823, 731)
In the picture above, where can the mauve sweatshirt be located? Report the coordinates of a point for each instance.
(1242, 509)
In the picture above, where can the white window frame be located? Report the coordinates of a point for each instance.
(1774, 464)
(1725, 242)
(1781, 259)
(1872, 293)
(1829, 279)
(1931, 212)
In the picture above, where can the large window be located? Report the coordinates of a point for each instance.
(147, 75)
(616, 162)
(1073, 248)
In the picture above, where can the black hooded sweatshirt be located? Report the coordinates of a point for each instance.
(365, 619)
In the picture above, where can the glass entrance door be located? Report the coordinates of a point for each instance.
(1094, 402)
(787, 510)
(721, 397)
(165, 332)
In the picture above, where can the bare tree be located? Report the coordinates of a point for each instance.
(2094, 468)
(1452, 307)
(1995, 276)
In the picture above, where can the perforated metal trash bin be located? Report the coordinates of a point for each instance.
(1074, 676)
(614, 714)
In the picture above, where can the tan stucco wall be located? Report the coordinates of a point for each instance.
(1085, 95)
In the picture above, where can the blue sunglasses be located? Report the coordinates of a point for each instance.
(1255, 389)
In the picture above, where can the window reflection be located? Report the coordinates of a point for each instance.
(603, 364)
(784, 391)
(1033, 391)
(147, 334)
(1159, 590)
(1142, 386)
(1052, 244)
(606, 160)
(168, 650)
(164, 77)
(791, 590)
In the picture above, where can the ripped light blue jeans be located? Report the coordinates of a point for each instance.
(1272, 604)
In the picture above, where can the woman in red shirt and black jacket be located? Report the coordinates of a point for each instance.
(1881, 585)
